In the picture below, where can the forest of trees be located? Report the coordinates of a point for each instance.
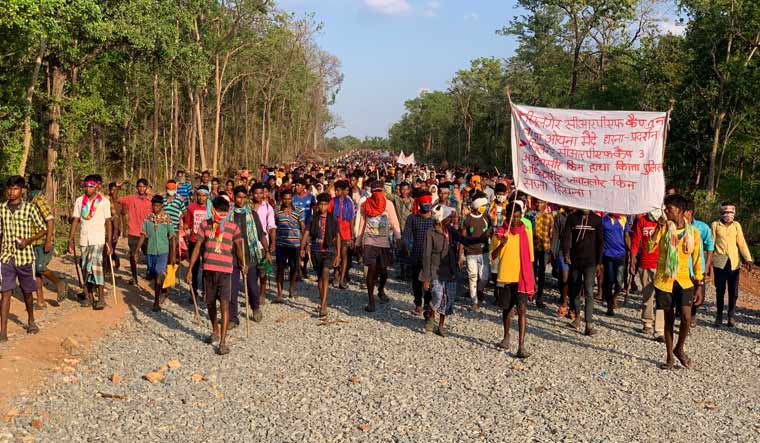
(132, 88)
(613, 54)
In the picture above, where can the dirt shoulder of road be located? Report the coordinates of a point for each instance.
(29, 361)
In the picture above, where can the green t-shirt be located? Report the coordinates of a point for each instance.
(158, 236)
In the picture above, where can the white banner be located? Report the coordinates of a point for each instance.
(607, 161)
(405, 160)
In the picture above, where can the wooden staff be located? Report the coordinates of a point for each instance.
(79, 272)
(247, 304)
(195, 304)
(113, 281)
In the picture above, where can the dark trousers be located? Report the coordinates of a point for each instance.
(253, 291)
(726, 278)
(614, 274)
(582, 277)
(197, 270)
(539, 269)
(420, 294)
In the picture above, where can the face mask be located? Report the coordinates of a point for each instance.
(501, 198)
(727, 214)
(171, 192)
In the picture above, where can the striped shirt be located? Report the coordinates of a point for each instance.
(174, 209)
(25, 221)
(185, 189)
(217, 256)
(289, 228)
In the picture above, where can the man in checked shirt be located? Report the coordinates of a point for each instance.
(542, 236)
(20, 226)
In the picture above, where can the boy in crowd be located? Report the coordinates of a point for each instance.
(708, 246)
(646, 261)
(513, 246)
(218, 236)
(175, 207)
(325, 240)
(475, 256)
(20, 226)
(197, 212)
(376, 223)
(137, 207)
(264, 208)
(43, 248)
(617, 243)
(158, 230)
(92, 215)
(342, 208)
(582, 241)
(414, 234)
(542, 235)
(679, 244)
(303, 201)
(256, 248)
(290, 228)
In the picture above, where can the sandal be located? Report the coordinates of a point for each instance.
(562, 311)
(211, 339)
(223, 350)
(32, 329)
(40, 306)
(370, 308)
(63, 289)
(323, 313)
(522, 353)
(383, 298)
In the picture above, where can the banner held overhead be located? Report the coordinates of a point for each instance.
(609, 161)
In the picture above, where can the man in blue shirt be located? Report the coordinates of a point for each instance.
(708, 246)
(304, 201)
(617, 243)
(184, 187)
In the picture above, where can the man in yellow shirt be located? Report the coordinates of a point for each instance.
(674, 288)
(515, 283)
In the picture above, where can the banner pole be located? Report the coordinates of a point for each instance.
(508, 94)
(667, 129)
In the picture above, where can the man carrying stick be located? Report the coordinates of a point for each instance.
(92, 215)
(217, 236)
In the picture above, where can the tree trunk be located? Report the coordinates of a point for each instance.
(28, 117)
(199, 129)
(717, 125)
(153, 167)
(217, 115)
(54, 133)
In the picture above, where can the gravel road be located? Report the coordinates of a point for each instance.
(377, 377)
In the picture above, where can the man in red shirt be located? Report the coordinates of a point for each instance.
(342, 207)
(197, 212)
(137, 207)
(643, 229)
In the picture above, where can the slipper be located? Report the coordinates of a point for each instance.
(562, 311)
(211, 339)
(521, 353)
(323, 313)
(684, 360)
(40, 306)
(504, 344)
(417, 311)
(223, 350)
(370, 308)
(383, 298)
(63, 289)
(32, 329)
(666, 366)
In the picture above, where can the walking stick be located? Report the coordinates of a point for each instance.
(113, 281)
(79, 272)
(247, 303)
(197, 316)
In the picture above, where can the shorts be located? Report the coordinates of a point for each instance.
(41, 259)
(444, 294)
(507, 296)
(218, 286)
(132, 241)
(679, 298)
(287, 256)
(157, 265)
(321, 261)
(561, 265)
(374, 255)
(9, 273)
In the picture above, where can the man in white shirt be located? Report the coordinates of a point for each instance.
(92, 215)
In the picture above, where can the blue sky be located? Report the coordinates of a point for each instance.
(391, 49)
